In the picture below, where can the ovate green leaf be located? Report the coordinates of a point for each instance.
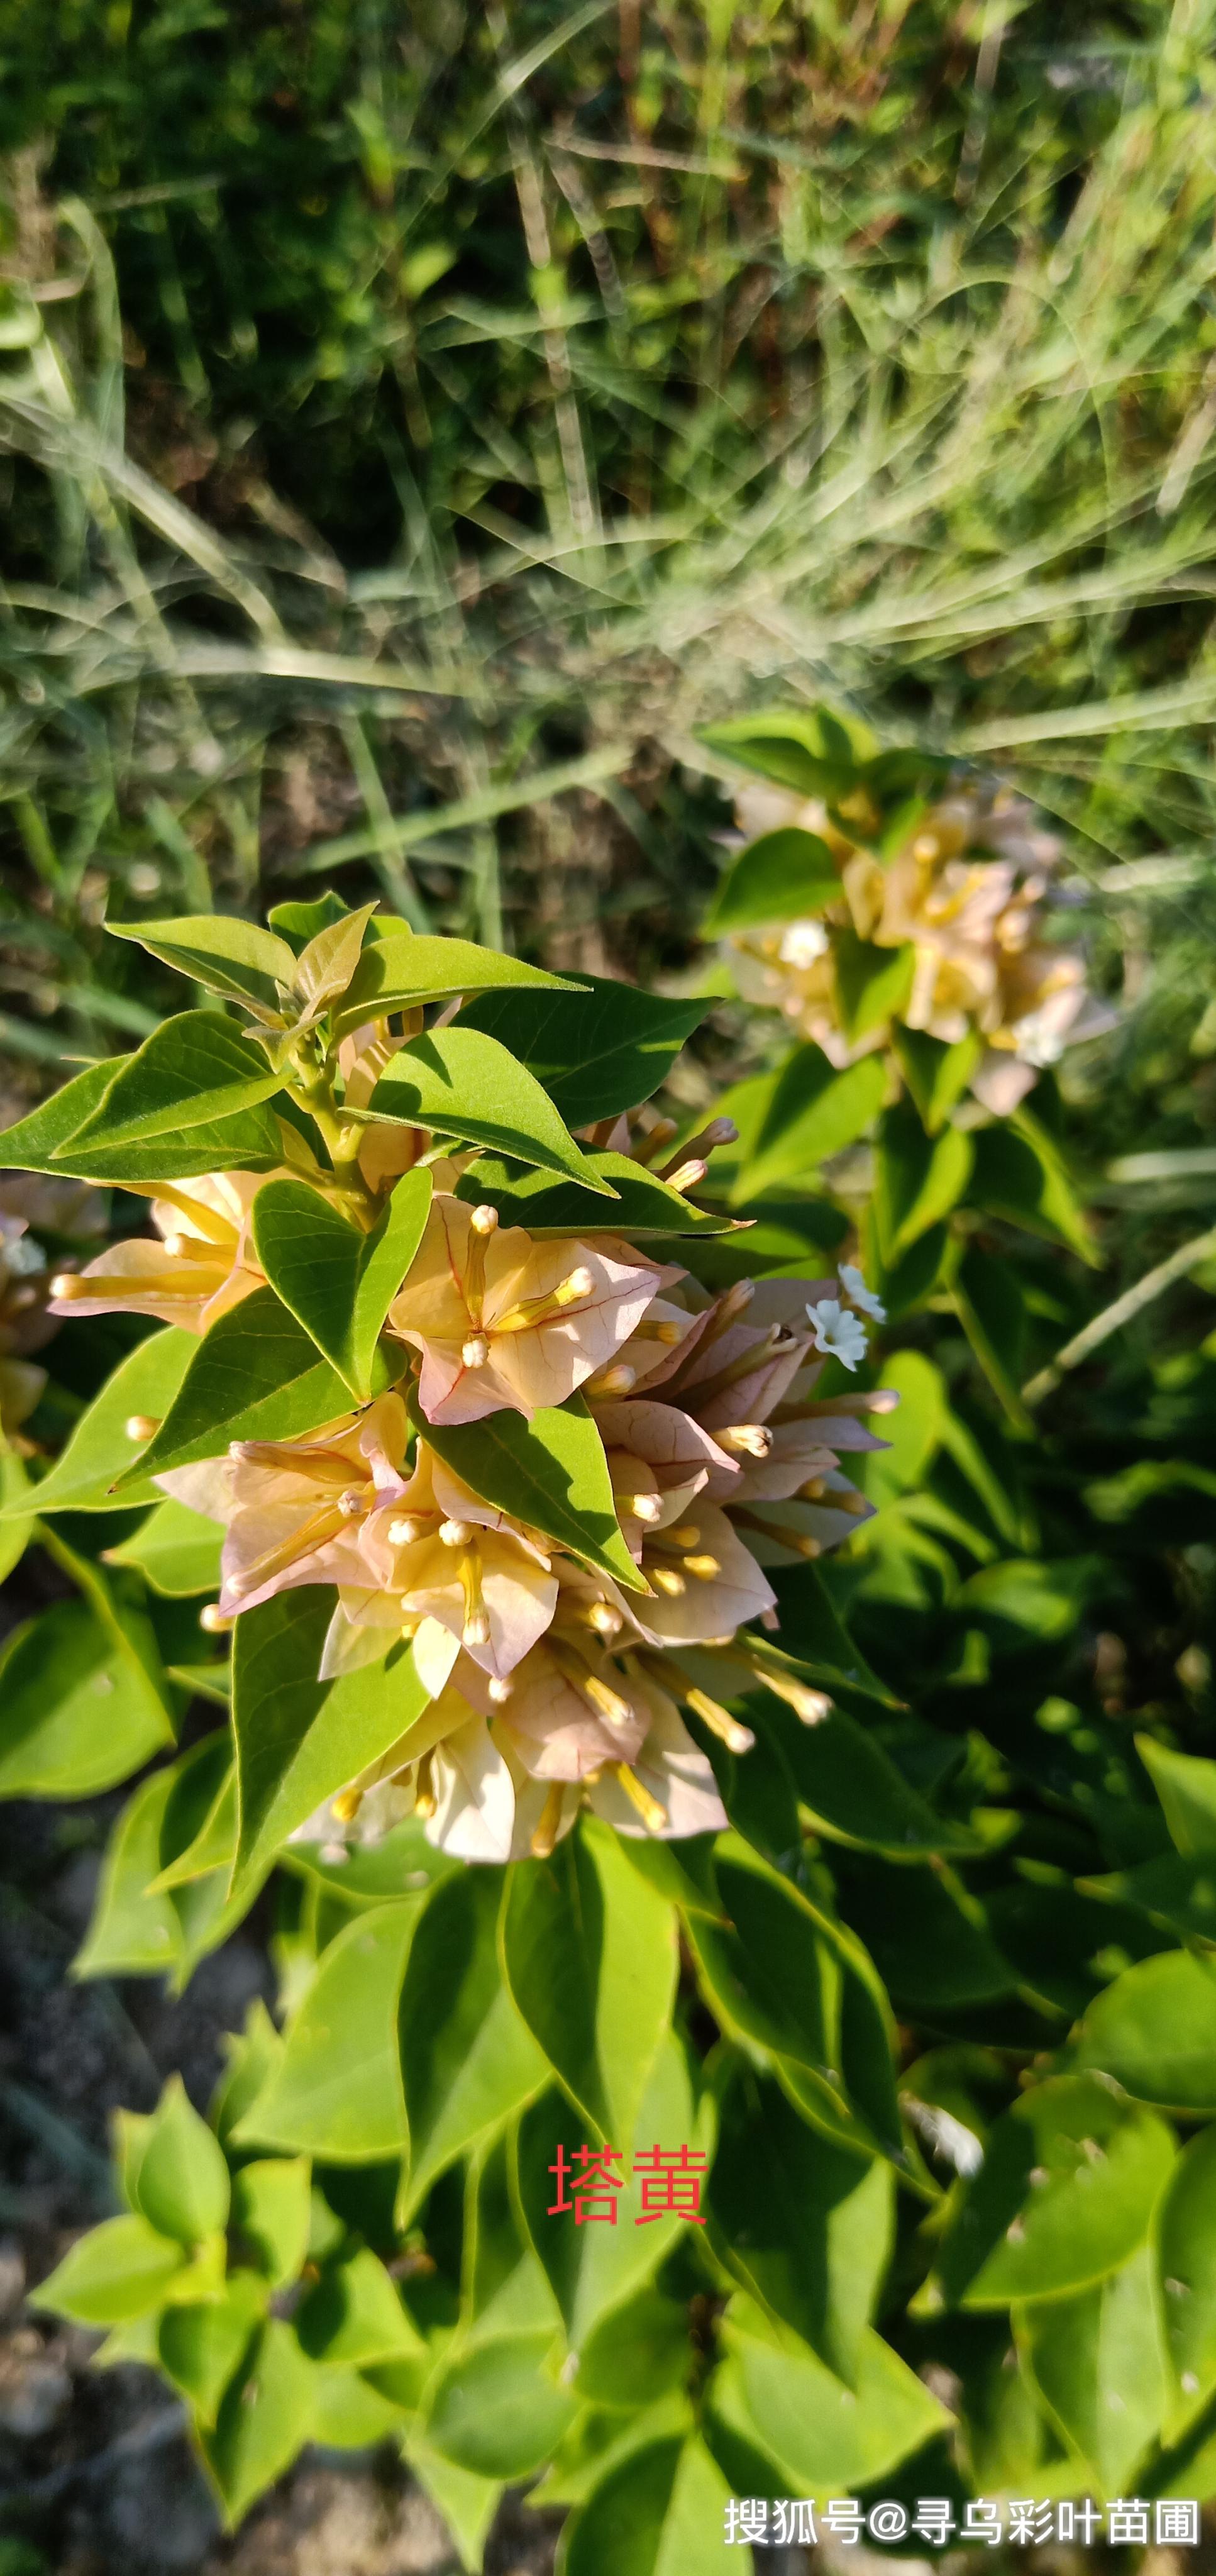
(335, 2089)
(1066, 2193)
(461, 1083)
(590, 1956)
(337, 1282)
(550, 1472)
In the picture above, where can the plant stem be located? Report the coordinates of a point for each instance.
(1099, 1329)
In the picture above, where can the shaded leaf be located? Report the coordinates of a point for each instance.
(550, 1472)
(256, 1376)
(590, 1957)
(596, 1052)
(298, 1739)
(1065, 2195)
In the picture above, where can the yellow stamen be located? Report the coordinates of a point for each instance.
(812, 1706)
(746, 1439)
(688, 1176)
(791, 1538)
(645, 1507)
(346, 1805)
(705, 1568)
(217, 1622)
(528, 1312)
(686, 1536)
(606, 1620)
(406, 1531)
(653, 1816)
(665, 1579)
(669, 1334)
(310, 1535)
(549, 1827)
(736, 1738)
(612, 1381)
(476, 1630)
(608, 1702)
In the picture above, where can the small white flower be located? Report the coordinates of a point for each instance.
(836, 1331)
(852, 1280)
(802, 943)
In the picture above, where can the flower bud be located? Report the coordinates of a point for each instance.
(215, 1621)
(406, 1531)
(141, 1426)
(484, 1220)
(456, 1533)
(476, 1351)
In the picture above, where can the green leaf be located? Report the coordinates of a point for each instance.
(354, 2316)
(596, 1052)
(133, 1933)
(182, 2185)
(781, 876)
(643, 1204)
(936, 1075)
(593, 2270)
(637, 2354)
(813, 1113)
(101, 1448)
(460, 1083)
(265, 2418)
(991, 1312)
(200, 2347)
(16, 1508)
(78, 1709)
(551, 1472)
(1177, 1892)
(804, 2226)
(873, 983)
(1186, 1786)
(191, 1072)
(335, 2088)
(337, 1282)
(918, 1180)
(33, 1144)
(1098, 2365)
(120, 2270)
(176, 1550)
(659, 2512)
(271, 2209)
(1154, 2030)
(298, 1739)
(823, 2438)
(467, 2058)
(396, 972)
(590, 1957)
(495, 2410)
(1021, 1175)
(810, 749)
(349, 2414)
(1065, 2195)
(783, 1978)
(466, 2503)
(853, 1790)
(1186, 2240)
(235, 958)
(256, 1376)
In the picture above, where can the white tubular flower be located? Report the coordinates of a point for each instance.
(853, 1282)
(837, 1333)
